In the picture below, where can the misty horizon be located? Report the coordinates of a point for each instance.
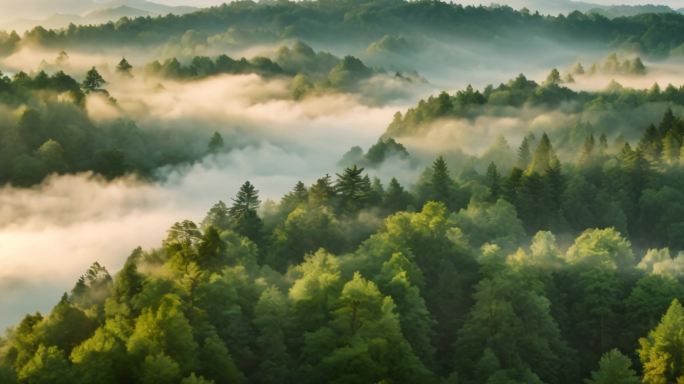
(278, 191)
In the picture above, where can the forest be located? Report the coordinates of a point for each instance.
(360, 20)
(344, 191)
(556, 272)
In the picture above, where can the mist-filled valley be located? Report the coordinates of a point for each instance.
(341, 191)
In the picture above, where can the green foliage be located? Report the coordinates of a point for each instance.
(124, 67)
(216, 143)
(605, 248)
(614, 367)
(93, 81)
(52, 132)
(364, 22)
(661, 351)
(243, 216)
(48, 365)
(353, 189)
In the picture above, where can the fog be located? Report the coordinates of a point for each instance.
(52, 233)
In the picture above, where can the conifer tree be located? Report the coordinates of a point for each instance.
(662, 351)
(352, 189)
(493, 181)
(440, 182)
(524, 154)
(614, 368)
(543, 156)
(124, 67)
(323, 191)
(216, 143)
(93, 81)
(243, 213)
(396, 198)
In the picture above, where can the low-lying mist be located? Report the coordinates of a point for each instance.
(52, 233)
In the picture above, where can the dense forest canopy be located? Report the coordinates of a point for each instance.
(32, 146)
(457, 280)
(527, 231)
(362, 21)
(610, 111)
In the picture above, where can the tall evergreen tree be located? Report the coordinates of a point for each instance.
(353, 189)
(93, 81)
(243, 212)
(651, 144)
(323, 191)
(614, 368)
(543, 156)
(671, 147)
(493, 181)
(218, 217)
(397, 198)
(440, 182)
(124, 67)
(524, 154)
(216, 143)
(662, 351)
(588, 148)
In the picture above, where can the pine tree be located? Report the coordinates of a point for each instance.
(543, 156)
(124, 67)
(440, 182)
(651, 143)
(352, 189)
(638, 67)
(218, 217)
(243, 215)
(668, 122)
(216, 143)
(614, 368)
(588, 148)
(299, 195)
(553, 78)
(322, 192)
(377, 192)
(654, 92)
(671, 148)
(511, 184)
(93, 81)
(555, 183)
(397, 198)
(662, 351)
(247, 200)
(493, 181)
(524, 154)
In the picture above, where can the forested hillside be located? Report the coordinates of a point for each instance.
(362, 22)
(611, 110)
(553, 273)
(526, 231)
(50, 131)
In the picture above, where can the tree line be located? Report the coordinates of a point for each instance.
(347, 280)
(53, 133)
(656, 34)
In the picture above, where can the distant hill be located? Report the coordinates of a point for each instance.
(630, 10)
(96, 13)
(148, 6)
(104, 15)
(566, 6)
